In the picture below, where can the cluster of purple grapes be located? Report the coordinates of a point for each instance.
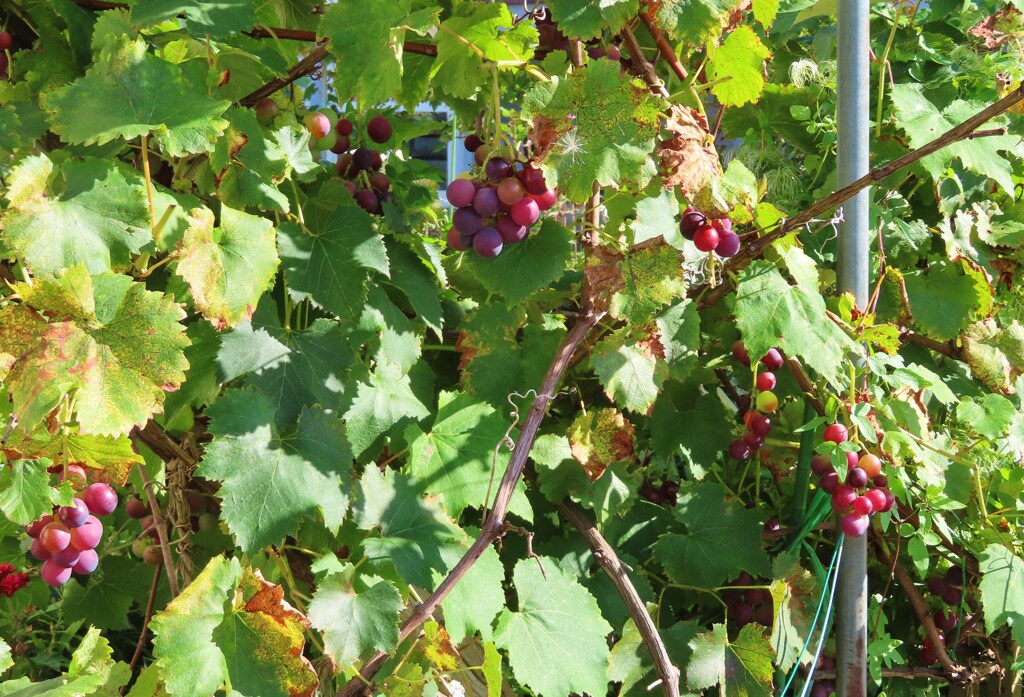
(748, 604)
(862, 492)
(498, 205)
(361, 168)
(949, 589)
(709, 235)
(65, 540)
(756, 419)
(665, 493)
(824, 688)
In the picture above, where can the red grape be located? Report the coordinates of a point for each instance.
(533, 180)
(367, 200)
(852, 459)
(835, 433)
(460, 192)
(821, 465)
(74, 515)
(87, 536)
(472, 142)
(854, 524)
(88, 560)
(487, 243)
(864, 505)
(35, 528)
(153, 556)
(485, 201)
(100, 498)
(766, 381)
(66, 557)
(742, 614)
(753, 440)
(38, 551)
(546, 200)
(341, 145)
(843, 497)
(760, 424)
(55, 537)
(829, 482)
(877, 498)
(722, 224)
(54, 575)
(739, 352)
(758, 596)
(955, 576)
(498, 168)
(772, 360)
(614, 53)
(76, 474)
(880, 480)
(455, 240)
(379, 129)
(480, 154)
(937, 585)
(379, 182)
(764, 615)
(344, 127)
(857, 478)
(511, 231)
(317, 124)
(728, 244)
(266, 110)
(739, 450)
(510, 191)
(525, 212)
(467, 221)
(362, 158)
(945, 621)
(706, 238)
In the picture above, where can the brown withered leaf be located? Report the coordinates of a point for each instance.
(999, 28)
(689, 160)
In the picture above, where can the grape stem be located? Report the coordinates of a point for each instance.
(145, 626)
(161, 530)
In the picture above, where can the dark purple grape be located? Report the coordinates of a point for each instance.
(955, 576)
(485, 201)
(744, 579)
(344, 127)
(341, 145)
(498, 168)
(945, 621)
(511, 231)
(74, 516)
(728, 245)
(772, 360)
(743, 403)
(742, 614)
(739, 352)
(362, 158)
(460, 192)
(487, 243)
(758, 596)
(376, 161)
(772, 525)
(820, 689)
(533, 180)
(739, 450)
(467, 221)
(937, 586)
(821, 465)
(760, 424)
(828, 482)
(596, 52)
(379, 129)
(472, 142)
(857, 478)
(880, 480)
(765, 615)
(827, 663)
(379, 182)
(688, 224)
(367, 200)
(753, 440)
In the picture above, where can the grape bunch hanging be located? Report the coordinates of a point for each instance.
(757, 421)
(709, 235)
(860, 491)
(496, 204)
(65, 540)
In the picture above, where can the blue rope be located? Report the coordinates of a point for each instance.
(831, 579)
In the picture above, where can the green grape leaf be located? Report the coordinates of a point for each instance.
(6, 661)
(708, 429)
(227, 268)
(765, 11)
(795, 596)
(386, 400)
(222, 18)
(651, 277)
(25, 492)
(414, 532)
(370, 34)
(183, 633)
(92, 671)
(271, 480)
(1001, 587)
(990, 416)
(454, 457)
(119, 345)
(247, 348)
(262, 638)
(743, 667)
(946, 298)
(83, 211)
(557, 623)
(355, 622)
(599, 438)
(330, 265)
(583, 19)
(772, 313)
(657, 216)
(293, 142)
(472, 604)
(594, 126)
(695, 21)
(248, 165)
(737, 67)
(722, 538)
(104, 602)
(923, 122)
(631, 371)
(418, 280)
(294, 14)
(523, 269)
(127, 93)
(488, 32)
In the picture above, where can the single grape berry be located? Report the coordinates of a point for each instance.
(498, 168)
(153, 556)
(379, 129)
(481, 154)
(755, 441)
(877, 498)
(857, 478)
(742, 614)
(945, 621)
(690, 221)
(863, 505)
(739, 450)
(485, 202)
(766, 402)
(728, 244)
(55, 537)
(472, 142)
(871, 464)
(467, 221)
(772, 360)
(266, 110)
(510, 191)
(67, 557)
(706, 238)
(460, 192)
(760, 424)
(890, 501)
(835, 433)
(76, 475)
(54, 574)
(880, 480)
(487, 243)
(843, 497)
(854, 524)
(955, 576)
(100, 498)
(455, 240)
(379, 182)
(545, 201)
(367, 200)
(362, 158)
(37, 550)
(766, 381)
(317, 124)
(88, 535)
(525, 212)
(613, 52)
(74, 515)
(344, 127)
(341, 145)
(937, 586)
(88, 560)
(821, 464)
(758, 596)
(511, 231)
(722, 224)
(852, 460)
(35, 528)
(829, 482)
(764, 615)
(739, 352)
(533, 180)
(953, 596)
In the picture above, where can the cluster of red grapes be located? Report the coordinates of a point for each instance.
(950, 623)
(747, 604)
(765, 402)
(147, 549)
(10, 581)
(498, 204)
(709, 235)
(66, 540)
(824, 688)
(666, 492)
(864, 489)
(361, 168)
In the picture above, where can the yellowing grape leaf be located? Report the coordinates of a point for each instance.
(593, 126)
(600, 437)
(695, 21)
(227, 268)
(128, 92)
(84, 211)
(743, 667)
(737, 66)
(116, 344)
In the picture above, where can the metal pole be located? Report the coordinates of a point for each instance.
(853, 107)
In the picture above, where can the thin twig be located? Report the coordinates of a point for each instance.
(640, 62)
(145, 623)
(664, 46)
(161, 530)
(757, 247)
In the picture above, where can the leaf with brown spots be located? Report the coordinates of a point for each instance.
(1003, 26)
(599, 438)
(438, 649)
(688, 157)
(116, 344)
